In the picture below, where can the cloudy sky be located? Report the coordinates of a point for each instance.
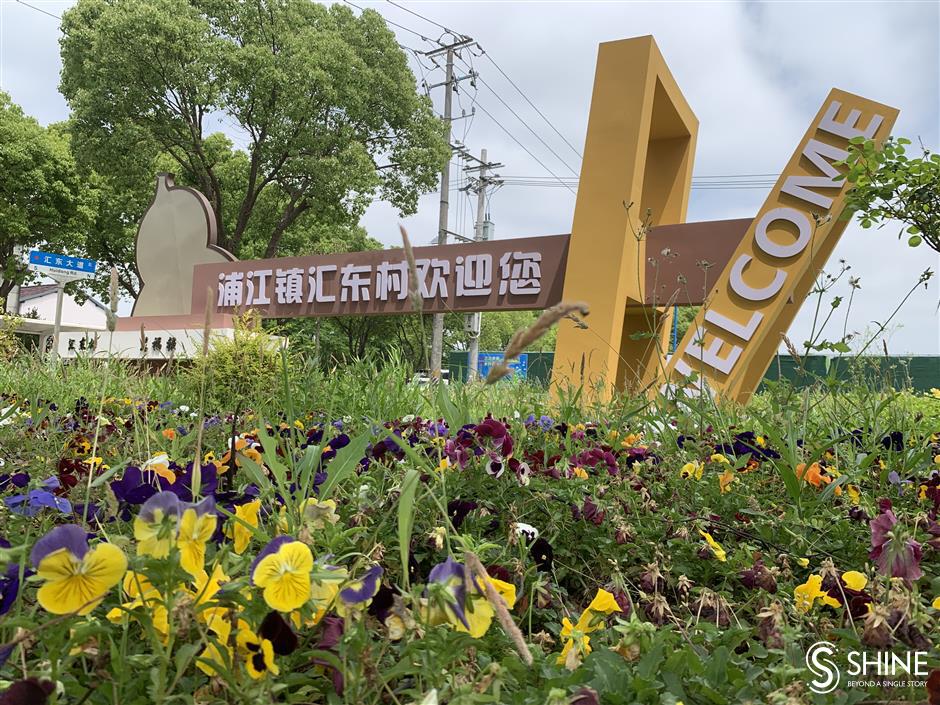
(754, 73)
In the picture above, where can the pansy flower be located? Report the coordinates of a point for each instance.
(447, 594)
(543, 554)
(76, 577)
(142, 594)
(36, 500)
(716, 549)
(257, 651)
(896, 556)
(156, 526)
(196, 527)
(806, 595)
(359, 593)
(10, 582)
(324, 589)
(692, 469)
(135, 486)
(241, 526)
(479, 611)
(282, 570)
(578, 644)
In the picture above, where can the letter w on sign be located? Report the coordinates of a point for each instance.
(733, 339)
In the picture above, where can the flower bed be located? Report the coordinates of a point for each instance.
(518, 558)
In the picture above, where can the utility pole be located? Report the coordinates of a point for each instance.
(482, 231)
(437, 326)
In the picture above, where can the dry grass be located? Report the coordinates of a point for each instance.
(526, 336)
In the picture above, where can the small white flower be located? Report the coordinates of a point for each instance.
(527, 530)
(516, 415)
(408, 419)
(183, 408)
(156, 461)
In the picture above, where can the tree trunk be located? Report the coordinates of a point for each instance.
(290, 214)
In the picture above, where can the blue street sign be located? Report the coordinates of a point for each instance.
(487, 360)
(79, 265)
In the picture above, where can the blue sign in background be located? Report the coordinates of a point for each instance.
(487, 360)
(72, 264)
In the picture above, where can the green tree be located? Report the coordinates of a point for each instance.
(497, 328)
(44, 202)
(334, 339)
(887, 184)
(325, 102)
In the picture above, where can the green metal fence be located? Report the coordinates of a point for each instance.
(919, 372)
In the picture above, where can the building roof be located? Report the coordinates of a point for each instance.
(37, 291)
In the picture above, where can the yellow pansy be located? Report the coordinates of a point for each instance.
(719, 458)
(715, 547)
(244, 514)
(805, 595)
(854, 494)
(854, 580)
(479, 611)
(258, 652)
(76, 578)
(143, 594)
(324, 588)
(692, 469)
(282, 570)
(725, 480)
(196, 528)
(156, 526)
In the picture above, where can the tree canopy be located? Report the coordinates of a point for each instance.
(44, 201)
(323, 101)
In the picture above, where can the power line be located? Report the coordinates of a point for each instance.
(427, 19)
(394, 24)
(520, 91)
(524, 148)
(527, 126)
(39, 9)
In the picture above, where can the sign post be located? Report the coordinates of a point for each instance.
(62, 269)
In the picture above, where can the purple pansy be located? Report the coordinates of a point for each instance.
(166, 502)
(365, 588)
(71, 537)
(896, 557)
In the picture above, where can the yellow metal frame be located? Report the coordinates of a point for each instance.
(638, 151)
(740, 327)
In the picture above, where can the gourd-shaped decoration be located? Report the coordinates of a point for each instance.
(177, 232)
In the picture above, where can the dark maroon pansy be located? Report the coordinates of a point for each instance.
(29, 691)
(275, 629)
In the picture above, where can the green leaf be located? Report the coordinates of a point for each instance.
(344, 464)
(185, 655)
(914, 240)
(406, 502)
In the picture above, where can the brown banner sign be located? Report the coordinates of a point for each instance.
(524, 273)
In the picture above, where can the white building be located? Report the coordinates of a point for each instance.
(39, 302)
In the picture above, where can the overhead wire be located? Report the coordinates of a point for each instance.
(394, 24)
(524, 148)
(39, 9)
(427, 19)
(531, 104)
